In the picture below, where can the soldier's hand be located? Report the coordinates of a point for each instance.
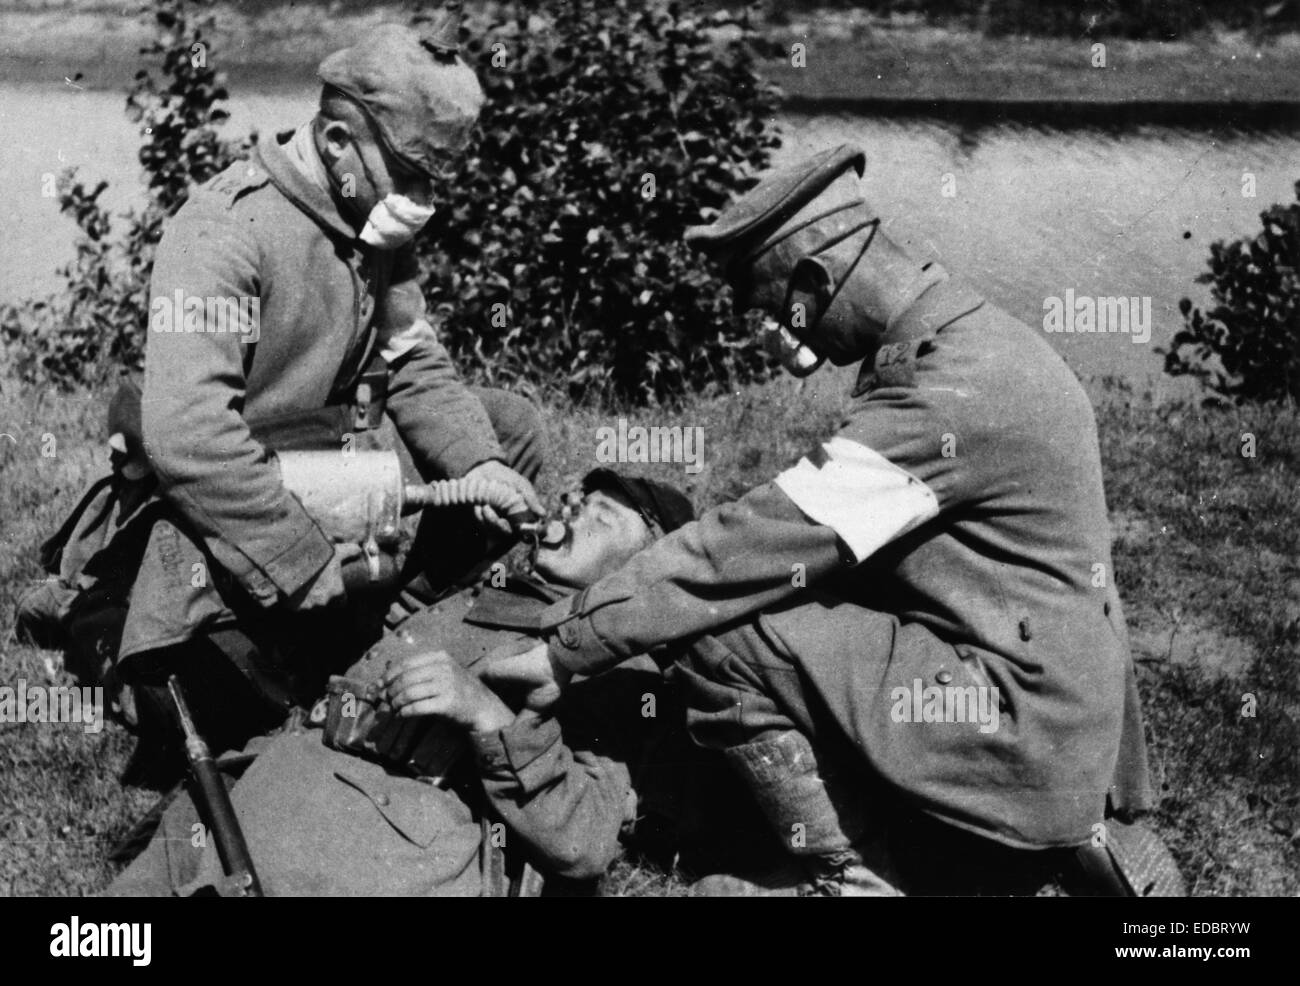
(500, 472)
(432, 684)
(531, 671)
(326, 589)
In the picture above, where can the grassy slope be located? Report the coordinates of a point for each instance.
(1206, 557)
(60, 804)
(1206, 553)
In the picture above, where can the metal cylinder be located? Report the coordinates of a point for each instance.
(354, 496)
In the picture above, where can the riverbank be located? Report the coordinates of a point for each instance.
(922, 64)
(847, 57)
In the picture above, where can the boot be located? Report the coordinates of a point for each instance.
(1133, 862)
(819, 816)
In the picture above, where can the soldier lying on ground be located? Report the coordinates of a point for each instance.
(553, 788)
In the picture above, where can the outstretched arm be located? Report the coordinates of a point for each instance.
(882, 476)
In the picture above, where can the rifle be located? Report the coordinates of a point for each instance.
(214, 805)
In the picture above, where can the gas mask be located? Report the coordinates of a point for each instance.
(798, 359)
(396, 218)
(394, 221)
(814, 285)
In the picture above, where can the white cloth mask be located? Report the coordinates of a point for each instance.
(394, 221)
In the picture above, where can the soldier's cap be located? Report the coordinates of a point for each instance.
(126, 434)
(422, 99)
(781, 205)
(661, 506)
(124, 417)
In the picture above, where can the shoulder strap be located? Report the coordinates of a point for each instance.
(51, 550)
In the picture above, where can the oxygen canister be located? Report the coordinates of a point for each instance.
(355, 497)
(360, 497)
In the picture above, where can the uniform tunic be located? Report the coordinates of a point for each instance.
(326, 304)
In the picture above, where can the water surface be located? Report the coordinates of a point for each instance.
(1036, 211)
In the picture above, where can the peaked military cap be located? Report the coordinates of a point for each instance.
(421, 97)
(767, 212)
(659, 504)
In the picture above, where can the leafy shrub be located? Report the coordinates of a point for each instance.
(97, 323)
(548, 260)
(557, 252)
(1247, 347)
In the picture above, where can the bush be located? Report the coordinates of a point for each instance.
(1247, 347)
(96, 325)
(557, 252)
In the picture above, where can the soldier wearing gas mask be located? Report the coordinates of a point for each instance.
(237, 585)
(909, 642)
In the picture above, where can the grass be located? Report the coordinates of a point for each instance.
(1206, 553)
(61, 807)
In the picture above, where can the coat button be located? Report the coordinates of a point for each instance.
(944, 677)
(383, 800)
(1025, 632)
(569, 634)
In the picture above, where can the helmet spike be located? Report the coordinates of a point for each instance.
(442, 36)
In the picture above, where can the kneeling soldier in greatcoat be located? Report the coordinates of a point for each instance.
(921, 613)
(226, 579)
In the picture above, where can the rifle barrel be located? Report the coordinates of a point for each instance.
(213, 798)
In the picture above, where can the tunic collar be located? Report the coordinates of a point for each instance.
(938, 306)
(308, 196)
(517, 606)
